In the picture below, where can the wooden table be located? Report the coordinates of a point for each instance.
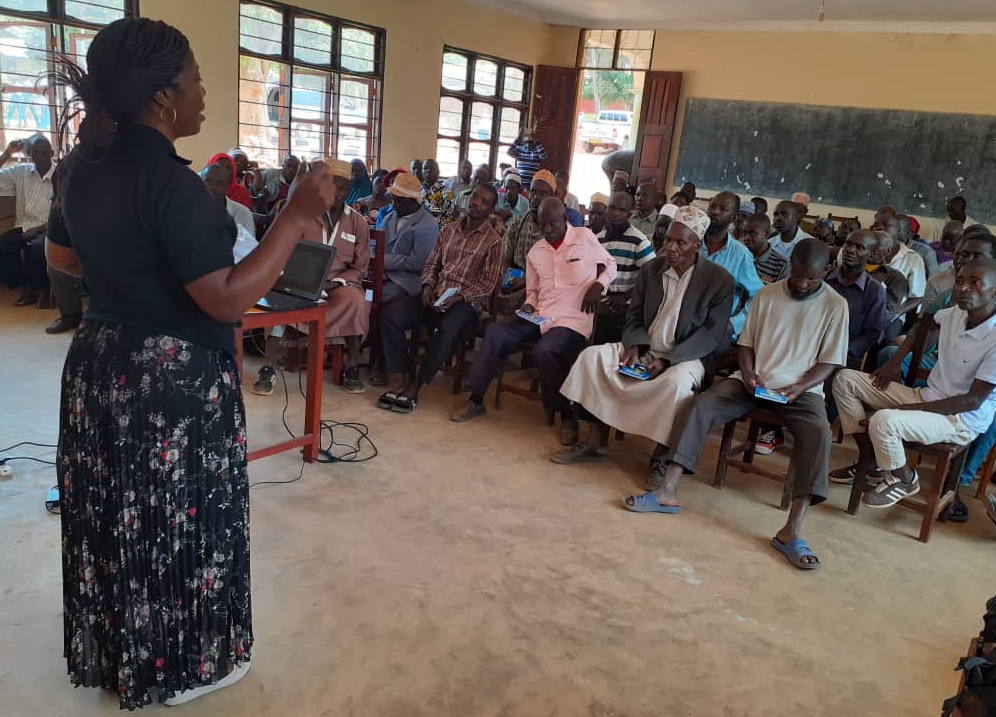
(314, 317)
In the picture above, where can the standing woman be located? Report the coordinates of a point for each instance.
(152, 442)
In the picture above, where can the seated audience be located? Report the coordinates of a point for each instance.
(644, 216)
(957, 404)
(631, 250)
(435, 196)
(574, 217)
(410, 236)
(410, 233)
(520, 237)
(461, 181)
(678, 320)
(786, 223)
(277, 183)
(957, 209)
(730, 254)
(868, 316)
(924, 251)
(824, 231)
(760, 205)
(566, 275)
(415, 169)
(378, 198)
(664, 218)
(360, 185)
(246, 178)
(772, 356)
(22, 249)
(897, 288)
(569, 200)
(900, 257)
(745, 212)
(512, 204)
(217, 179)
(481, 175)
(598, 207)
(770, 265)
(945, 246)
(844, 230)
(467, 258)
(348, 314)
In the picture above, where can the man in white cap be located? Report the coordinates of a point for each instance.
(794, 339)
(511, 203)
(664, 216)
(678, 320)
(598, 206)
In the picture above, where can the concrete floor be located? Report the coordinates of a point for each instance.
(461, 573)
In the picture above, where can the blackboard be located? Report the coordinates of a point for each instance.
(843, 156)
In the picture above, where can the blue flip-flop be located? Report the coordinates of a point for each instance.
(647, 503)
(795, 550)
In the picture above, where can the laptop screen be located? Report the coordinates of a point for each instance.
(304, 274)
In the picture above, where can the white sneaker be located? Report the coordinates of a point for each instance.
(237, 673)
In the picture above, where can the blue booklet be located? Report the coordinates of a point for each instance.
(446, 296)
(637, 370)
(769, 395)
(512, 274)
(532, 318)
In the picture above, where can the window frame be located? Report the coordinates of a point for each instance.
(582, 65)
(468, 97)
(55, 21)
(334, 74)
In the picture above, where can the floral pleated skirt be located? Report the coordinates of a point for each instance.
(155, 513)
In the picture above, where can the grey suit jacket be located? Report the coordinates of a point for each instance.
(703, 329)
(406, 252)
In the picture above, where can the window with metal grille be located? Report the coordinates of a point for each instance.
(309, 85)
(32, 34)
(616, 49)
(483, 103)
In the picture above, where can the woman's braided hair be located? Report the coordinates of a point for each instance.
(128, 62)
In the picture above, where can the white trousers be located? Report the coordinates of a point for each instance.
(857, 398)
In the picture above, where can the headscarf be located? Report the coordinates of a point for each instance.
(360, 185)
(236, 191)
(545, 175)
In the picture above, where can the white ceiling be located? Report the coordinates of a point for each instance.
(935, 16)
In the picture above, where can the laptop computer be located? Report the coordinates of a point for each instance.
(301, 282)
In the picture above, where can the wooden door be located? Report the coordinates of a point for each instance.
(555, 94)
(652, 155)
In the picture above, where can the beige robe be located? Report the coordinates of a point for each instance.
(645, 408)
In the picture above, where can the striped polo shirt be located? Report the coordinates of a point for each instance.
(631, 251)
(529, 156)
(32, 193)
(771, 266)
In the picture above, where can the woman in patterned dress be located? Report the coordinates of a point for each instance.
(152, 444)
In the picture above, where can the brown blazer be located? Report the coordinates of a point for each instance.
(703, 329)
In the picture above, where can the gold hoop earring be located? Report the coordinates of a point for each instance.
(162, 117)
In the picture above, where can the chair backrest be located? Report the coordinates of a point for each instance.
(915, 372)
(840, 217)
(378, 242)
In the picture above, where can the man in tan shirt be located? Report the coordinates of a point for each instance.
(795, 337)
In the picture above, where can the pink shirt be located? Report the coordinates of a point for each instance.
(557, 279)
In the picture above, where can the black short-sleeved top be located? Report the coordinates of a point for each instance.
(143, 226)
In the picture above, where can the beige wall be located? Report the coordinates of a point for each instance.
(935, 73)
(416, 33)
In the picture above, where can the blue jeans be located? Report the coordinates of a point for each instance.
(983, 443)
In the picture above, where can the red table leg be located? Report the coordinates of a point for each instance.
(313, 401)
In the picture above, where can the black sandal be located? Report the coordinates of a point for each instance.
(958, 512)
(387, 399)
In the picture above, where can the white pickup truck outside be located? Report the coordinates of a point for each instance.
(612, 129)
